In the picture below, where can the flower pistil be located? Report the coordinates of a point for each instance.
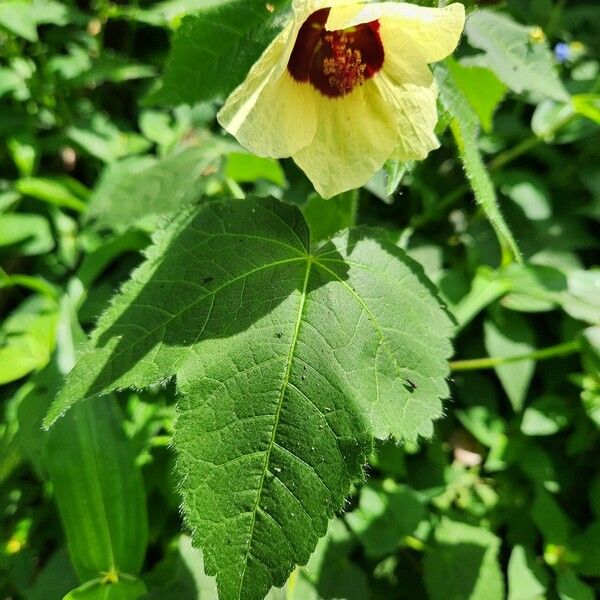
(335, 62)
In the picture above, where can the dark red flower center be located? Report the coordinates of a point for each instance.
(335, 62)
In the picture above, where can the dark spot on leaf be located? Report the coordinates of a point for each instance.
(207, 279)
(411, 386)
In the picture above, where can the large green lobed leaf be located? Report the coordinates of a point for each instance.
(289, 359)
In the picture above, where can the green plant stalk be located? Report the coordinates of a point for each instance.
(495, 361)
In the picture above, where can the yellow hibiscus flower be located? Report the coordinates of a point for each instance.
(344, 87)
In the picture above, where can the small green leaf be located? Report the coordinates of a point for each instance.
(289, 359)
(27, 233)
(384, 517)
(326, 217)
(18, 16)
(570, 587)
(546, 415)
(463, 563)
(481, 87)
(142, 187)
(550, 518)
(55, 579)
(124, 589)
(395, 171)
(520, 58)
(529, 191)
(25, 152)
(104, 140)
(487, 286)
(27, 339)
(582, 298)
(590, 350)
(527, 579)
(587, 105)
(53, 191)
(559, 123)
(248, 168)
(587, 545)
(507, 333)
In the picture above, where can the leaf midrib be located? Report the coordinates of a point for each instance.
(199, 300)
(282, 394)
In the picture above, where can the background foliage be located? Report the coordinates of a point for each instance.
(107, 127)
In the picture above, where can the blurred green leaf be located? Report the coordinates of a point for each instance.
(26, 233)
(591, 350)
(139, 188)
(559, 123)
(570, 587)
(487, 286)
(527, 579)
(482, 88)
(247, 168)
(582, 299)
(123, 589)
(105, 141)
(546, 415)
(518, 55)
(53, 191)
(529, 191)
(12, 82)
(18, 16)
(386, 514)
(509, 334)
(550, 518)
(587, 105)
(25, 152)
(326, 217)
(463, 564)
(56, 13)
(587, 546)
(27, 339)
(55, 579)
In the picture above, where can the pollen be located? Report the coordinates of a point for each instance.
(345, 69)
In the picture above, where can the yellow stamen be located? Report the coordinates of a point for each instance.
(110, 577)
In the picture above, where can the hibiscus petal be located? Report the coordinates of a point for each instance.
(408, 86)
(434, 31)
(310, 6)
(355, 135)
(280, 124)
(415, 112)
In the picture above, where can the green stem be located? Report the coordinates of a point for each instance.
(492, 362)
(506, 157)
